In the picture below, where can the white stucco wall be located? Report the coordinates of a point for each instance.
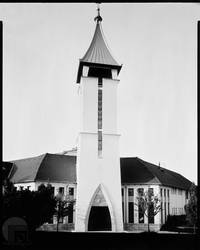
(110, 106)
(88, 93)
(92, 170)
(33, 186)
(25, 185)
(177, 201)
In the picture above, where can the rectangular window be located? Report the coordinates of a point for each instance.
(123, 210)
(130, 192)
(150, 190)
(164, 192)
(130, 212)
(141, 214)
(141, 191)
(100, 92)
(186, 194)
(71, 191)
(151, 213)
(52, 190)
(165, 211)
(161, 192)
(99, 82)
(168, 208)
(99, 140)
(61, 190)
(168, 193)
(161, 210)
(70, 216)
(122, 192)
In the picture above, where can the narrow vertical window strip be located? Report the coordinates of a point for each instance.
(99, 122)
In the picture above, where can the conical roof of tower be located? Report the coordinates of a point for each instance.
(98, 53)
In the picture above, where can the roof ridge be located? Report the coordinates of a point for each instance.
(144, 163)
(40, 163)
(29, 158)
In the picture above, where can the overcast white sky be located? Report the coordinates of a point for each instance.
(157, 95)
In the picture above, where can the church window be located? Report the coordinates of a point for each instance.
(141, 214)
(150, 191)
(52, 190)
(130, 192)
(161, 210)
(70, 215)
(123, 210)
(71, 191)
(100, 116)
(61, 190)
(130, 212)
(141, 191)
(151, 212)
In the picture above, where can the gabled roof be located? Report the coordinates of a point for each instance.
(135, 170)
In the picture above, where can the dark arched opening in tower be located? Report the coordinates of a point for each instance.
(99, 219)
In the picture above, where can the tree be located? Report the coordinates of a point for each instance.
(148, 205)
(191, 207)
(36, 207)
(64, 206)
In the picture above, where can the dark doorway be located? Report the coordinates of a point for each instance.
(99, 219)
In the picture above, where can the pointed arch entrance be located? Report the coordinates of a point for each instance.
(99, 216)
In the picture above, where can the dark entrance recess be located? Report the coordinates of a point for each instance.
(99, 219)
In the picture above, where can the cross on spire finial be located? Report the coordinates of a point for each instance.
(98, 18)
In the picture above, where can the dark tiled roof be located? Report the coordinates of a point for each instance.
(25, 170)
(135, 170)
(47, 167)
(62, 168)
(57, 168)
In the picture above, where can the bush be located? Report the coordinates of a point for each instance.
(174, 221)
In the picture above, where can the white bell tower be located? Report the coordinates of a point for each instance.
(98, 202)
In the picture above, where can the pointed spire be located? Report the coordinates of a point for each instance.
(98, 18)
(98, 53)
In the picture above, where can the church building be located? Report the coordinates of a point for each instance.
(104, 185)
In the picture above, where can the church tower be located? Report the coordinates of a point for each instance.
(98, 200)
